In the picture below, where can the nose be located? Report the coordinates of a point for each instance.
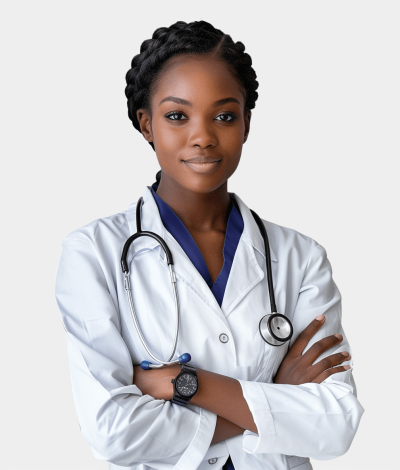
(202, 135)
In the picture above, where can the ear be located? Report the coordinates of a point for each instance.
(247, 118)
(144, 119)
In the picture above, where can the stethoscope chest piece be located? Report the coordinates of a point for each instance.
(275, 329)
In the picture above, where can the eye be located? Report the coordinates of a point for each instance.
(175, 116)
(226, 117)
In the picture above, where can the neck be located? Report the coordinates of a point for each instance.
(198, 211)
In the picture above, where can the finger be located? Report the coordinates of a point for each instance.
(320, 347)
(329, 372)
(305, 336)
(328, 362)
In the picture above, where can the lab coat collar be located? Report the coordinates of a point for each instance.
(152, 222)
(251, 232)
(239, 282)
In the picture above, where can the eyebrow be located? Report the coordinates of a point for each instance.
(174, 99)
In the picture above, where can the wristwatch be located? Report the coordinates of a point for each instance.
(185, 385)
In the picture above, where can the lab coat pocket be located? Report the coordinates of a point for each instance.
(279, 353)
(265, 354)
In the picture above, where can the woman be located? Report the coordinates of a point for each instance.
(250, 404)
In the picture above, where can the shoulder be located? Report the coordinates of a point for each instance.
(105, 231)
(93, 251)
(299, 255)
(290, 244)
(284, 241)
(289, 236)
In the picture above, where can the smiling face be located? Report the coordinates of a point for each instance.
(197, 123)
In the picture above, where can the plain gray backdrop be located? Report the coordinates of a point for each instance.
(322, 158)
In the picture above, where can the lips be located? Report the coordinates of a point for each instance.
(203, 164)
(202, 159)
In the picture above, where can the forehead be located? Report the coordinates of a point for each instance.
(196, 78)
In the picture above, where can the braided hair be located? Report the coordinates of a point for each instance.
(198, 37)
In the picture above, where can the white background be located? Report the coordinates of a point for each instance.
(322, 158)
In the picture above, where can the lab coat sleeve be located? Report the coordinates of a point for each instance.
(309, 420)
(122, 425)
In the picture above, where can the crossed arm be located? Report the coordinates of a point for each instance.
(116, 417)
(223, 395)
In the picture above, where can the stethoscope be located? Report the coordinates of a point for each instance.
(275, 328)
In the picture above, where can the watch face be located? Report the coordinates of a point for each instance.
(186, 384)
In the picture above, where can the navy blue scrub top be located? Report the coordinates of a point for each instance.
(178, 230)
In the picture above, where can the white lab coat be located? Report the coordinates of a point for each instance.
(133, 430)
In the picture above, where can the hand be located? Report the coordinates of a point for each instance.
(296, 368)
(156, 382)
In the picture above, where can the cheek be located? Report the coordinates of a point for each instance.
(168, 138)
(168, 147)
(232, 143)
(232, 138)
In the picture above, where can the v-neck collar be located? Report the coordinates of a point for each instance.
(178, 230)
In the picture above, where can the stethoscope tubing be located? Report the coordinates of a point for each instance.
(263, 231)
(137, 235)
(268, 334)
(128, 288)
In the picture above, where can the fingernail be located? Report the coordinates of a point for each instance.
(345, 353)
(320, 317)
(339, 336)
(346, 367)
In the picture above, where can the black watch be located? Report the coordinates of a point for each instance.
(185, 385)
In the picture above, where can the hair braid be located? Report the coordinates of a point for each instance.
(198, 37)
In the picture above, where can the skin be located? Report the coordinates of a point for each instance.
(192, 124)
(201, 130)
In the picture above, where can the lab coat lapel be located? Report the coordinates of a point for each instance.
(246, 271)
(151, 222)
(185, 271)
(188, 273)
(251, 232)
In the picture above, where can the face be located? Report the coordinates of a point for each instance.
(198, 123)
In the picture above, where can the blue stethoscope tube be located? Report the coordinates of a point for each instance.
(275, 328)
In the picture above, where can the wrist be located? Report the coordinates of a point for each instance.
(156, 382)
(168, 386)
(205, 381)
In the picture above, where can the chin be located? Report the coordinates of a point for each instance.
(203, 185)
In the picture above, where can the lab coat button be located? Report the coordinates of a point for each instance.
(212, 461)
(223, 338)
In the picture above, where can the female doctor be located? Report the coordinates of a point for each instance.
(252, 405)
